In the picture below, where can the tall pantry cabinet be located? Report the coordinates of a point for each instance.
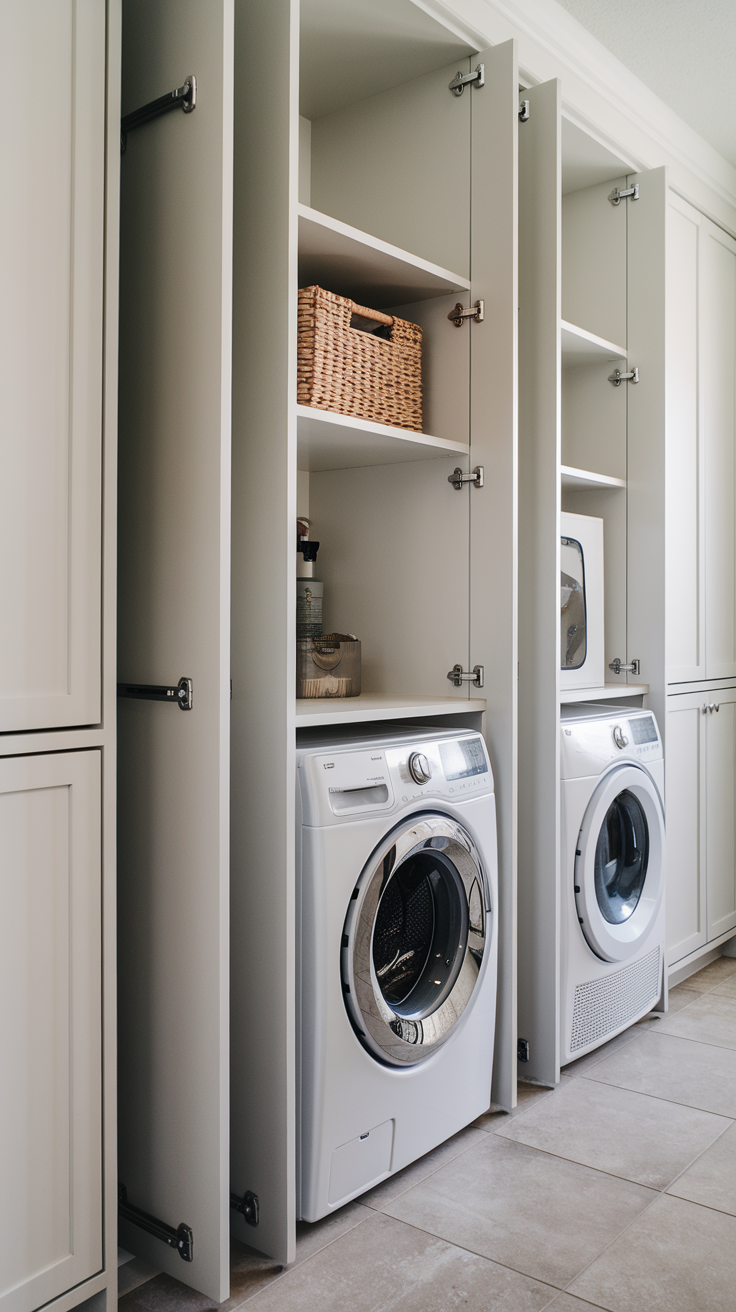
(700, 536)
(58, 268)
(399, 193)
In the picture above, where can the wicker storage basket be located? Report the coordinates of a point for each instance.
(352, 372)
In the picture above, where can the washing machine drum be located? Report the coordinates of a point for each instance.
(619, 871)
(414, 939)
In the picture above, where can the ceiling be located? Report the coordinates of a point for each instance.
(683, 50)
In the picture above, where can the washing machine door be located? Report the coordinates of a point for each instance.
(414, 939)
(619, 865)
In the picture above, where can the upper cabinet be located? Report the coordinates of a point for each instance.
(701, 438)
(51, 361)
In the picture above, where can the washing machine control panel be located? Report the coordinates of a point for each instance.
(589, 745)
(347, 782)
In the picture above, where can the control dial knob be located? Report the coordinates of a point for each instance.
(619, 737)
(419, 768)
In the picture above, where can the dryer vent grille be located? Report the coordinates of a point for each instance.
(604, 1005)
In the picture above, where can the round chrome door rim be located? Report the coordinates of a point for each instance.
(619, 942)
(387, 1035)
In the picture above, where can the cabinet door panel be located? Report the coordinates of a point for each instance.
(721, 813)
(685, 790)
(50, 1026)
(718, 384)
(51, 253)
(684, 608)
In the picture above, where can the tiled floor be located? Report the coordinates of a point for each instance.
(616, 1190)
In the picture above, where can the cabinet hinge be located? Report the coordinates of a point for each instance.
(182, 695)
(618, 666)
(522, 1049)
(458, 676)
(458, 478)
(476, 312)
(461, 80)
(247, 1206)
(617, 378)
(631, 193)
(185, 95)
(524, 111)
(181, 1238)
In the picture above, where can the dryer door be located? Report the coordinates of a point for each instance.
(619, 866)
(414, 939)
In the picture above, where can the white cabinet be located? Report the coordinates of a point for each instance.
(52, 159)
(701, 819)
(50, 1026)
(700, 461)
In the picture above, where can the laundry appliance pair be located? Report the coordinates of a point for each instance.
(397, 929)
(612, 872)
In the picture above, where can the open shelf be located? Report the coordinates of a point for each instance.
(574, 479)
(326, 440)
(609, 692)
(351, 263)
(380, 706)
(582, 347)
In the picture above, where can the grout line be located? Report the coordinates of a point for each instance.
(428, 1176)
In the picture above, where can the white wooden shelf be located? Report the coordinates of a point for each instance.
(609, 692)
(351, 263)
(379, 706)
(579, 478)
(582, 347)
(326, 440)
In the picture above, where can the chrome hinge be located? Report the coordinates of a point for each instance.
(524, 111)
(461, 80)
(477, 312)
(618, 667)
(182, 695)
(458, 478)
(632, 193)
(712, 706)
(459, 676)
(617, 378)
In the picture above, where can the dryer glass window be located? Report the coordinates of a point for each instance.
(621, 857)
(573, 635)
(420, 934)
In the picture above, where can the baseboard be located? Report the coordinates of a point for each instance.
(725, 946)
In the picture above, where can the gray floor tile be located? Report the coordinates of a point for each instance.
(568, 1303)
(727, 988)
(678, 1070)
(712, 1179)
(714, 973)
(626, 1134)
(710, 1019)
(526, 1096)
(249, 1272)
(164, 1294)
(134, 1273)
(680, 997)
(398, 1184)
(583, 1064)
(311, 1236)
(385, 1266)
(676, 1258)
(538, 1214)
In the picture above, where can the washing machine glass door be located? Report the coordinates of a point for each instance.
(414, 939)
(619, 875)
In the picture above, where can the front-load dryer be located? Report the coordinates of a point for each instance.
(613, 873)
(397, 933)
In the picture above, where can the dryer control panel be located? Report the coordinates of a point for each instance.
(591, 743)
(347, 781)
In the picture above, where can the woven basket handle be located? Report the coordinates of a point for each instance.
(366, 313)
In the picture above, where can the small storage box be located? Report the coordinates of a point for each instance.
(344, 368)
(328, 666)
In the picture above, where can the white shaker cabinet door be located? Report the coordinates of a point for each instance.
(50, 1026)
(717, 315)
(721, 810)
(686, 830)
(51, 267)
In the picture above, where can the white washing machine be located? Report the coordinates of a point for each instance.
(397, 889)
(612, 871)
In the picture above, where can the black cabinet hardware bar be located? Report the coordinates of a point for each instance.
(182, 1239)
(184, 96)
(182, 695)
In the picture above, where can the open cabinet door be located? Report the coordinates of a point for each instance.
(540, 219)
(174, 590)
(493, 508)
